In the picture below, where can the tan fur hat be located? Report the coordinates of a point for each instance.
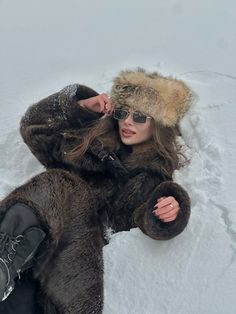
(164, 98)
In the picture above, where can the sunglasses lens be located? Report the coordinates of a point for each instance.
(120, 114)
(138, 117)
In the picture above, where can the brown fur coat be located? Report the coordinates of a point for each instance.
(76, 201)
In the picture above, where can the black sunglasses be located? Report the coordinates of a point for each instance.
(121, 114)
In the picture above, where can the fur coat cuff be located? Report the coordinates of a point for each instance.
(68, 100)
(152, 225)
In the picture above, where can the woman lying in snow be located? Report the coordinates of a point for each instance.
(109, 164)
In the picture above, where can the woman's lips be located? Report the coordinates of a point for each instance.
(127, 133)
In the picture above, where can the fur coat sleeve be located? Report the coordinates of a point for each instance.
(153, 226)
(133, 206)
(45, 123)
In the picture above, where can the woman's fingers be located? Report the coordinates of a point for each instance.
(170, 219)
(161, 198)
(166, 208)
(107, 106)
(166, 201)
(169, 214)
(100, 103)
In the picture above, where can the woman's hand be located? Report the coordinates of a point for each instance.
(166, 208)
(100, 103)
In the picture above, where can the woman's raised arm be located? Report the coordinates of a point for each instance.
(44, 122)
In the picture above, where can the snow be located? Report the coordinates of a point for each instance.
(47, 45)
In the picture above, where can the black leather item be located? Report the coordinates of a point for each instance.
(20, 237)
(17, 219)
(23, 299)
(16, 255)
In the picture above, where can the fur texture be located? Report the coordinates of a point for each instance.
(69, 263)
(77, 200)
(164, 98)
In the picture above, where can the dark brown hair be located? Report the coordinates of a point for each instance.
(98, 131)
(168, 149)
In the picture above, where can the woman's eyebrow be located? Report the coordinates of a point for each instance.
(140, 112)
(123, 107)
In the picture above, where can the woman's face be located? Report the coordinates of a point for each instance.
(132, 133)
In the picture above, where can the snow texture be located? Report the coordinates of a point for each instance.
(47, 45)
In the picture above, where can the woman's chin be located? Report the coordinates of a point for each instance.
(128, 140)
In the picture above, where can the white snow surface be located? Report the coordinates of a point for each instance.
(46, 45)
